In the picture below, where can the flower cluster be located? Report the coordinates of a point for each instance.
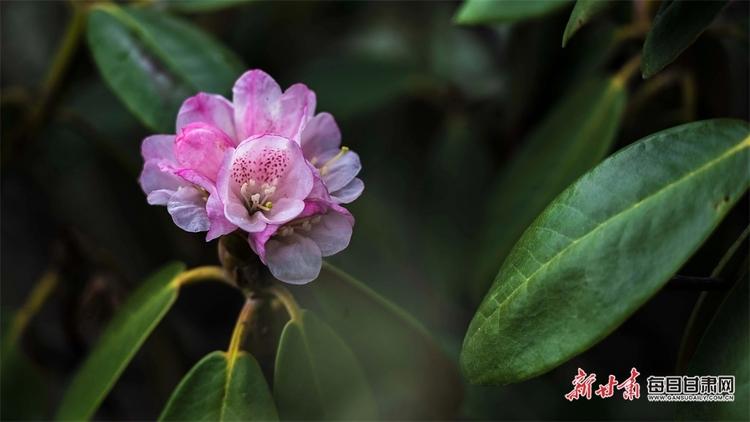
(265, 164)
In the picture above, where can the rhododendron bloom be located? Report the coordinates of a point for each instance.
(264, 164)
(264, 181)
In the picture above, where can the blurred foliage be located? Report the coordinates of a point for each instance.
(437, 112)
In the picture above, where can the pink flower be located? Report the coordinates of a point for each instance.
(293, 252)
(264, 181)
(265, 164)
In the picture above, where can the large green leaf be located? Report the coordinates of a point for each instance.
(153, 61)
(222, 388)
(573, 138)
(410, 376)
(677, 24)
(499, 11)
(119, 343)
(725, 350)
(582, 12)
(605, 246)
(317, 377)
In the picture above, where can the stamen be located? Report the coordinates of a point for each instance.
(324, 168)
(286, 231)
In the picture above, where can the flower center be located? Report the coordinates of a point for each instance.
(258, 174)
(257, 197)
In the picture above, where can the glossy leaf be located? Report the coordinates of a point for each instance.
(582, 12)
(317, 376)
(605, 246)
(573, 138)
(153, 61)
(119, 343)
(500, 11)
(677, 24)
(222, 388)
(420, 382)
(724, 350)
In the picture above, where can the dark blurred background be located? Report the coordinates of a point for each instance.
(436, 111)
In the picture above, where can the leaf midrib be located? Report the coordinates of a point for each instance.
(740, 146)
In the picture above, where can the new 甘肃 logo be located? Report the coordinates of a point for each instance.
(675, 388)
(672, 388)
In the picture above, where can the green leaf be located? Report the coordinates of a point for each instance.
(153, 61)
(676, 25)
(222, 388)
(724, 350)
(202, 6)
(119, 343)
(582, 12)
(420, 382)
(573, 138)
(317, 376)
(501, 11)
(605, 246)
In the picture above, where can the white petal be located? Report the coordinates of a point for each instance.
(350, 192)
(188, 210)
(332, 233)
(340, 172)
(293, 259)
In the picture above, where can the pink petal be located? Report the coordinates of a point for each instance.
(320, 135)
(218, 223)
(211, 109)
(258, 240)
(158, 147)
(293, 259)
(201, 147)
(158, 184)
(261, 108)
(285, 210)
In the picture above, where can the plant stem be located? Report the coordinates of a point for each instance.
(34, 302)
(627, 70)
(240, 329)
(60, 65)
(730, 253)
(286, 299)
(211, 272)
